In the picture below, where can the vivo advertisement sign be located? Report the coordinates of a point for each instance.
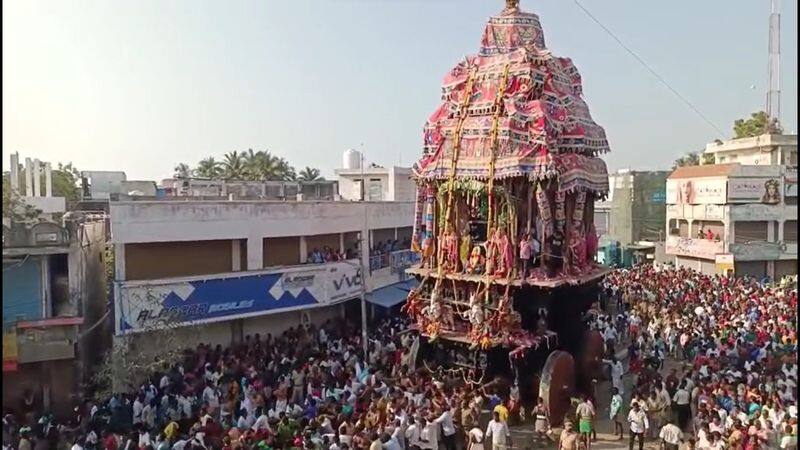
(151, 305)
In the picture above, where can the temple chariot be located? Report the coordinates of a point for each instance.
(504, 218)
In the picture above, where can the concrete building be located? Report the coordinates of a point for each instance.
(746, 210)
(216, 271)
(764, 150)
(54, 297)
(380, 184)
(245, 189)
(102, 185)
(632, 216)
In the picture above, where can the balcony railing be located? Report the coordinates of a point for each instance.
(398, 260)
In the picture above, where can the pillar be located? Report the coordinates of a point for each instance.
(341, 243)
(772, 232)
(781, 224)
(15, 171)
(236, 255)
(37, 178)
(303, 250)
(255, 253)
(28, 177)
(119, 262)
(48, 180)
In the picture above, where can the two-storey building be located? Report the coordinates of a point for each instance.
(215, 271)
(733, 216)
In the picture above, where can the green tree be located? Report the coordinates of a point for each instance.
(14, 207)
(758, 124)
(693, 159)
(309, 174)
(208, 168)
(262, 165)
(182, 170)
(234, 166)
(66, 182)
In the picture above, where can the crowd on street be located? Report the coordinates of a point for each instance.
(712, 362)
(736, 343)
(309, 388)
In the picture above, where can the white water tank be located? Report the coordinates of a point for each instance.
(351, 159)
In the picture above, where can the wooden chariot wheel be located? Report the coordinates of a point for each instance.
(557, 385)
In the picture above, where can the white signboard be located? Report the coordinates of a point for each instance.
(696, 191)
(753, 189)
(695, 248)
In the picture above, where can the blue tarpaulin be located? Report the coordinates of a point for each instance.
(393, 294)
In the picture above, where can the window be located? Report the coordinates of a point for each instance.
(375, 190)
(790, 231)
(755, 231)
(674, 229)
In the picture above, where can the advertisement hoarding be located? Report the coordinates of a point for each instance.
(142, 306)
(697, 191)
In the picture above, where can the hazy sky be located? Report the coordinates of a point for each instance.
(142, 85)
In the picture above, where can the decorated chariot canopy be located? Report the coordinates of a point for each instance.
(514, 110)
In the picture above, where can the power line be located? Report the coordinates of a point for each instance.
(650, 69)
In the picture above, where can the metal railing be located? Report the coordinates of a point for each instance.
(398, 260)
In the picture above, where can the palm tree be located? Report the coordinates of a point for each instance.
(233, 166)
(309, 174)
(262, 165)
(208, 168)
(182, 170)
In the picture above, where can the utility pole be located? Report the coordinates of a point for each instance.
(774, 69)
(364, 253)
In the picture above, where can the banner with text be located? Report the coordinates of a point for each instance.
(695, 248)
(150, 305)
(696, 191)
(752, 189)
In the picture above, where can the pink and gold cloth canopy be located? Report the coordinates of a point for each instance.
(544, 130)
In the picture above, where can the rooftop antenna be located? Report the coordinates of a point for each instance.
(774, 92)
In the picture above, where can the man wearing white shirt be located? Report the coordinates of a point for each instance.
(429, 436)
(637, 419)
(448, 429)
(262, 423)
(413, 434)
(499, 432)
(670, 435)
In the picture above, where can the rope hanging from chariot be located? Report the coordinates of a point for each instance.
(462, 115)
(498, 105)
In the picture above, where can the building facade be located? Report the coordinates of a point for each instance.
(392, 184)
(733, 217)
(215, 271)
(54, 301)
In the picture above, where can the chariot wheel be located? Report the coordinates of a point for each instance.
(557, 385)
(591, 360)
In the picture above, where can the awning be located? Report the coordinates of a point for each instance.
(393, 294)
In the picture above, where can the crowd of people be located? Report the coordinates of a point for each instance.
(709, 364)
(309, 388)
(327, 254)
(735, 343)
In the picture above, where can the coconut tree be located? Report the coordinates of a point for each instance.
(233, 166)
(208, 168)
(309, 174)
